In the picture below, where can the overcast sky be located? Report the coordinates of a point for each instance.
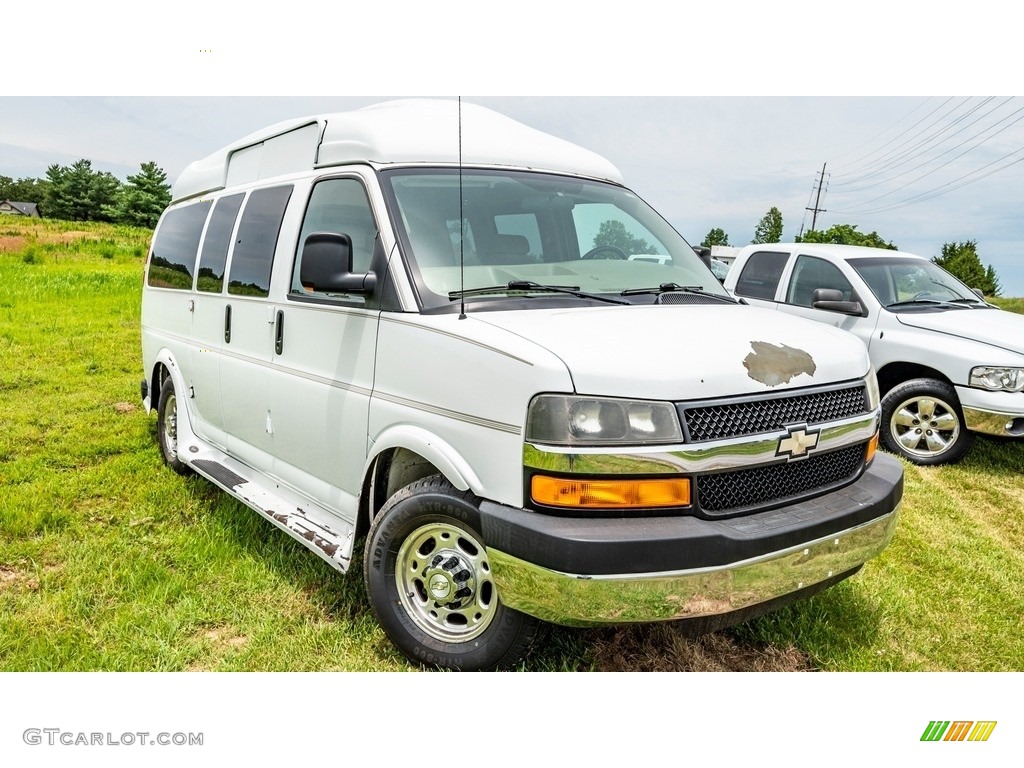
(920, 170)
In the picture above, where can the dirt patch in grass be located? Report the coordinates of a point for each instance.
(661, 648)
(220, 640)
(11, 578)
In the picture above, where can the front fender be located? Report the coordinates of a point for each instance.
(432, 448)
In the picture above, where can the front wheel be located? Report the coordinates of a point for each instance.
(922, 421)
(430, 584)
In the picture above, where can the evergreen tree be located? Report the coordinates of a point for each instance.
(142, 199)
(78, 193)
(962, 261)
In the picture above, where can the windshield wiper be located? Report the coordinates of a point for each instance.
(526, 286)
(970, 302)
(670, 287)
(932, 302)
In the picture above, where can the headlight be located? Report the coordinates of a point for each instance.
(998, 379)
(571, 420)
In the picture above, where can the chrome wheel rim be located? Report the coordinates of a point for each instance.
(170, 427)
(925, 426)
(444, 582)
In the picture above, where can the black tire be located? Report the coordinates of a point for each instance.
(430, 584)
(923, 422)
(167, 428)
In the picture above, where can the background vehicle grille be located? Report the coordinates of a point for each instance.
(751, 417)
(761, 486)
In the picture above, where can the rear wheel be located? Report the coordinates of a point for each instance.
(167, 427)
(922, 421)
(430, 583)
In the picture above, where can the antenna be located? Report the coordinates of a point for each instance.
(462, 230)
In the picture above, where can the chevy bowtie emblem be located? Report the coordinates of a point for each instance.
(798, 442)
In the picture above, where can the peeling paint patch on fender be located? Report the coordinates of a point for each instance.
(774, 364)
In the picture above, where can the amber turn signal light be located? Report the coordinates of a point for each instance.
(872, 447)
(610, 494)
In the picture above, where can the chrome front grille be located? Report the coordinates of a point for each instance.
(759, 487)
(736, 418)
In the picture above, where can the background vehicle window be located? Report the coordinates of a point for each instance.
(760, 275)
(216, 243)
(174, 250)
(253, 257)
(812, 273)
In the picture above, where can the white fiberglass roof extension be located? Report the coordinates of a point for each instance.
(406, 132)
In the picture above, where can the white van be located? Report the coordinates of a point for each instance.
(949, 364)
(419, 322)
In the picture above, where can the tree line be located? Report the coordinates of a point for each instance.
(959, 259)
(79, 193)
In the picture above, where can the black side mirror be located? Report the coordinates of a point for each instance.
(327, 265)
(832, 300)
(705, 254)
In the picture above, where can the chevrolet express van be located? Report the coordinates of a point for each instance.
(428, 326)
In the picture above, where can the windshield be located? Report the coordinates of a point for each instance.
(517, 228)
(905, 281)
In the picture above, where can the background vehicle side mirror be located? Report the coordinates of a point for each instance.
(831, 300)
(704, 253)
(327, 265)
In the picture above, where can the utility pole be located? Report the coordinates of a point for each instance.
(817, 199)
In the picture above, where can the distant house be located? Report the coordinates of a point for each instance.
(19, 209)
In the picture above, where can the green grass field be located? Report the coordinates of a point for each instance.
(110, 561)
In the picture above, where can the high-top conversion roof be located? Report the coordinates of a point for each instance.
(405, 132)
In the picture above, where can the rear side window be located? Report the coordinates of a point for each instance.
(175, 247)
(760, 275)
(253, 257)
(216, 244)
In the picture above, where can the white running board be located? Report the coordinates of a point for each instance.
(314, 527)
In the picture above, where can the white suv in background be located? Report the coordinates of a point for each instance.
(948, 363)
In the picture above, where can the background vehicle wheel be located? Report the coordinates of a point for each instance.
(922, 421)
(430, 583)
(167, 427)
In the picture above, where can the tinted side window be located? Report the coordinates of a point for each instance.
(253, 257)
(339, 206)
(216, 243)
(809, 275)
(174, 250)
(760, 275)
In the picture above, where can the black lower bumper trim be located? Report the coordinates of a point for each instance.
(660, 544)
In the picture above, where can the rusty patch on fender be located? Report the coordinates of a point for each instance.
(774, 364)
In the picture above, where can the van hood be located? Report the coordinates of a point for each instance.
(1004, 330)
(681, 352)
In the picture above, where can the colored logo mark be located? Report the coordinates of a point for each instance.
(958, 730)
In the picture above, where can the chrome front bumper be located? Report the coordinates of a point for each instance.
(579, 600)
